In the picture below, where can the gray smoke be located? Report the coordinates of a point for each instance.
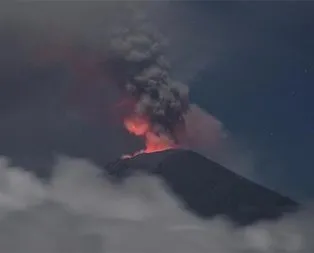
(135, 53)
(160, 99)
(78, 211)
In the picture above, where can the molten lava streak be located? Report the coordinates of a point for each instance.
(153, 143)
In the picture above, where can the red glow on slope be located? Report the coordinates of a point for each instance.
(156, 143)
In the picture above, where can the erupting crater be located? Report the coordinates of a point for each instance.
(139, 126)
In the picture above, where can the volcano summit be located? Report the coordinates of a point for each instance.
(205, 187)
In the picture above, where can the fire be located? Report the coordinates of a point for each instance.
(153, 142)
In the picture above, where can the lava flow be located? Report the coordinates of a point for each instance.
(153, 143)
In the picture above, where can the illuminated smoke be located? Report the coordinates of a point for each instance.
(136, 54)
(153, 143)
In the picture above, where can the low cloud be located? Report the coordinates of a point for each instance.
(79, 211)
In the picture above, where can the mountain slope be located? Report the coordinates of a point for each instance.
(207, 188)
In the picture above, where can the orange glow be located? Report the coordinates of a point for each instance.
(154, 143)
(136, 126)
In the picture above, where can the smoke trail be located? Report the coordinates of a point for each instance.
(78, 211)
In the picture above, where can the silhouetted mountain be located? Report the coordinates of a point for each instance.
(207, 188)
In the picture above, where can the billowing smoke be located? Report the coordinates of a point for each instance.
(79, 211)
(144, 73)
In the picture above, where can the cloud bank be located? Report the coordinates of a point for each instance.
(79, 211)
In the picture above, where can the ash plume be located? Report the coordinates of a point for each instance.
(120, 48)
(137, 52)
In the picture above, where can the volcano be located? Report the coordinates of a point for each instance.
(206, 188)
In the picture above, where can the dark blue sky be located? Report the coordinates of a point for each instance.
(263, 90)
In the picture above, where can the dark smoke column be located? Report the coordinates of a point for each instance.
(143, 73)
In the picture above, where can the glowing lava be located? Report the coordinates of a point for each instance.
(153, 143)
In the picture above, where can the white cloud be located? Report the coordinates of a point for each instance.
(78, 211)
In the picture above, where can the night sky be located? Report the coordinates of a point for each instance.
(250, 64)
(263, 90)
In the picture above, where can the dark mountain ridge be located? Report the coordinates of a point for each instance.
(205, 187)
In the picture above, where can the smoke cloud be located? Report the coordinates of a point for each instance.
(79, 211)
